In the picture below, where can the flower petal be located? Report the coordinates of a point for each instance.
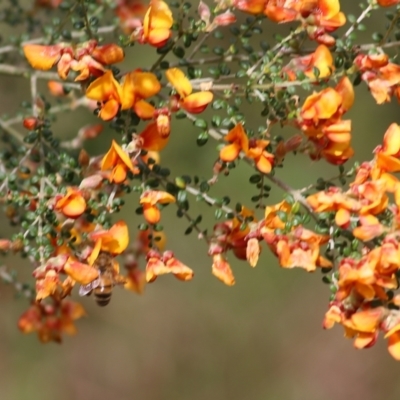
(42, 57)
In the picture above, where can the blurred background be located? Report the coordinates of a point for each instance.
(260, 339)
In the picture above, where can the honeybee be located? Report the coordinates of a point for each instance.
(108, 277)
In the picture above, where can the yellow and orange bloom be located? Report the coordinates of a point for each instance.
(250, 6)
(157, 24)
(319, 17)
(135, 280)
(80, 272)
(238, 142)
(114, 240)
(73, 204)
(52, 321)
(321, 59)
(364, 326)
(271, 217)
(233, 234)
(192, 102)
(166, 263)
(299, 249)
(253, 251)
(48, 285)
(381, 76)
(149, 200)
(136, 86)
(334, 315)
(118, 161)
(108, 91)
(87, 58)
(56, 88)
(155, 135)
(222, 270)
(262, 159)
(321, 122)
(329, 103)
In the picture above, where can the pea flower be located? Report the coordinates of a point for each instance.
(192, 102)
(149, 200)
(86, 58)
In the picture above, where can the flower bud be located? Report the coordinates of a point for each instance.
(30, 123)
(204, 12)
(224, 19)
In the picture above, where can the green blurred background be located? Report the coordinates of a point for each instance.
(260, 339)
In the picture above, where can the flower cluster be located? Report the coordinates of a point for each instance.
(61, 194)
(86, 58)
(363, 285)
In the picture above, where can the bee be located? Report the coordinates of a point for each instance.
(108, 277)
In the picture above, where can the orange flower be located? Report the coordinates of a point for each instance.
(222, 270)
(80, 272)
(388, 3)
(299, 249)
(321, 59)
(320, 16)
(253, 250)
(261, 157)
(136, 85)
(73, 204)
(157, 24)
(322, 105)
(382, 77)
(250, 6)
(149, 200)
(329, 103)
(43, 57)
(238, 142)
(52, 321)
(332, 316)
(322, 124)
(364, 326)
(135, 280)
(152, 139)
(233, 235)
(279, 11)
(117, 160)
(271, 218)
(191, 102)
(108, 91)
(370, 228)
(56, 88)
(166, 264)
(387, 155)
(87, 58)
(47, 286)
(114, 240)
(393, 337)
(391, 327)
(358, 279)
(372, 194)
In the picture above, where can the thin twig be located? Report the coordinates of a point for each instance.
(362, 16)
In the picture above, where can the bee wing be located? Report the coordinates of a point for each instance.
(86, 289)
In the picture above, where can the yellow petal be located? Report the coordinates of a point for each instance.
(82, 273)
(178, 80)
(196, 103)
(144, 110)
(42, 57)
(104, 88)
